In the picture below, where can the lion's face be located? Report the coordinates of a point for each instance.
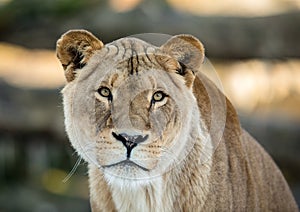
(129, 110)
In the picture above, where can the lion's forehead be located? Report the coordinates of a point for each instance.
(128, 47)
(132, 56)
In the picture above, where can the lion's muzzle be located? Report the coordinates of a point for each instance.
(130, 141)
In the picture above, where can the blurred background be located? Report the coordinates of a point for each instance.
(254, 46)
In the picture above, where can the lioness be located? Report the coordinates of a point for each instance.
(157, 134)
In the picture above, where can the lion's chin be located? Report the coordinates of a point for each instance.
(128, 173)
(126, 164)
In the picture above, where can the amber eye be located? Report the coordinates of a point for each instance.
(105, 92)
(158, 96)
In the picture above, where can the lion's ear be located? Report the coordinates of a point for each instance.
(74, 49)
(186, 49)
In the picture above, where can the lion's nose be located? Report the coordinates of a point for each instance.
(129, 141)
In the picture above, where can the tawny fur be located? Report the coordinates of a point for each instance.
(214, 166)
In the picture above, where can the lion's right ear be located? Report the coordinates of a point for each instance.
(74, 49)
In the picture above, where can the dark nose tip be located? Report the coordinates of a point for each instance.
(129, 141)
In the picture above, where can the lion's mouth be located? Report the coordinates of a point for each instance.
(126, 162)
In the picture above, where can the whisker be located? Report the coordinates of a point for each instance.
(87, 149)
(73, 170)
(169, 153)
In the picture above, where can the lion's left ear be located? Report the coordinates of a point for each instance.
(74, 49)
(186, 49)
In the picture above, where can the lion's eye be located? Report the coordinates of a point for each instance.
(158, 96)
(105, 92)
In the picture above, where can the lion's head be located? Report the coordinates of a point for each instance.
(129, 105)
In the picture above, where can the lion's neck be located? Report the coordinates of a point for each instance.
(139, 197)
